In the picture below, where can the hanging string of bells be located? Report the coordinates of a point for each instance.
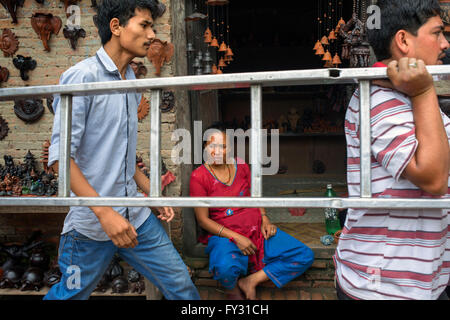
(219, 31)
(327, 13)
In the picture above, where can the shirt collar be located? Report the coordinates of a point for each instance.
(106, 60)
(110, 66)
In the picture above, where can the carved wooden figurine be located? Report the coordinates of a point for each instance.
(9, 43)
(160, 52)
(73, 34)
(11, 6)
(44, 25)
(24, 64)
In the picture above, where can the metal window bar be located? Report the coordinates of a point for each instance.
(254, 81)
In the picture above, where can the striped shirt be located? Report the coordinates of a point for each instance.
(390, 254)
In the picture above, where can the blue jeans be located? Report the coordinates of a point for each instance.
(84, 261)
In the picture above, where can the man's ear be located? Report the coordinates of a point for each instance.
(114, 25)
(402, 42)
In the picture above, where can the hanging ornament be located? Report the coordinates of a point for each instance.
(320, 50)
(229, 53)
(214, 69)
(324, 40)
(207, 35)
(190, 48)
(214, 43)
(336, 60)
(207, 60)
(223, 47)
(332, 36)
(222, 63)
(316, 46)
(339, 25)
(327, 56)
(196, 15)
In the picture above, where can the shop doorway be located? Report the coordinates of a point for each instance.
(277, 36)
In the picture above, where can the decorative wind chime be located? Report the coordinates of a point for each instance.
(215, 38)
(354, 45)
(217, 32)
(327, 30)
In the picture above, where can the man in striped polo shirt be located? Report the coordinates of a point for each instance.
(400, 254)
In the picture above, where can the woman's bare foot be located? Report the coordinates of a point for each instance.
(248, 285)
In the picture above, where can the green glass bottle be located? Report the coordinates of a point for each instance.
(332, 223)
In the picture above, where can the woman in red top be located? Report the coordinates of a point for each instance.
(239, 238)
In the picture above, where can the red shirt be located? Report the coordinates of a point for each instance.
(245, 221)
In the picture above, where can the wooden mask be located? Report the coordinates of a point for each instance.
(44, 25)
(24, 64)
(159, 53)
(11, 6)
(29, 110)
(9, 43)
(167, 101)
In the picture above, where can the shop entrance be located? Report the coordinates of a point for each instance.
(270, 36)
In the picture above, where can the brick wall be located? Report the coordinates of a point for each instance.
(50, 65)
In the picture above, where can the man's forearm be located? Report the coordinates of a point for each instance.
(430, 165)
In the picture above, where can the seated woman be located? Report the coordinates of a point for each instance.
(241, 238)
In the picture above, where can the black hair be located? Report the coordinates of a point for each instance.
(397, 15)
(218, 126)
(123, 10)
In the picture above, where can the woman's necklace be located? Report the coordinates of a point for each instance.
(215, 176)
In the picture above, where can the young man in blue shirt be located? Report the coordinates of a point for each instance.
(103, 163)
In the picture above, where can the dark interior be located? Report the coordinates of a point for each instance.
(273, 36)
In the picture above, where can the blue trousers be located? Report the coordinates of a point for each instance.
(84, 261)
(285, 258)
